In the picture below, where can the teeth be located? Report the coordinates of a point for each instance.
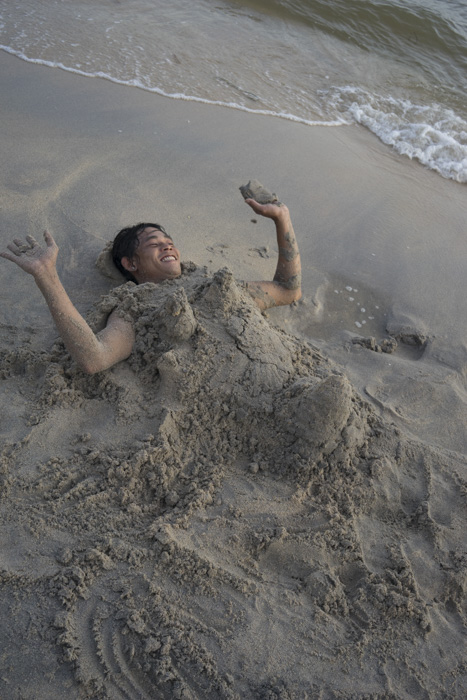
(168, 257)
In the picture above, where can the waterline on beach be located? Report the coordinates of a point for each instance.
(398, 70)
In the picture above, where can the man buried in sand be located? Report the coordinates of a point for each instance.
(146, 253)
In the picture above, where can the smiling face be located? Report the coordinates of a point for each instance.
(156, 258)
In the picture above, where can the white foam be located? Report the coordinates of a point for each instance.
(432, 134)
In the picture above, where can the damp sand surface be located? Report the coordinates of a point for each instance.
(250, 506)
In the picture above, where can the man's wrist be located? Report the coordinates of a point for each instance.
(46, 278)
(283, 219)
(282, 210)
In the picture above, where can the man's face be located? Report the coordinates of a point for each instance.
(156, 258)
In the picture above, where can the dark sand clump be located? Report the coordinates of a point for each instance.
(255, 190)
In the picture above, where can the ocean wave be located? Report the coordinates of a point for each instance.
(432, 134)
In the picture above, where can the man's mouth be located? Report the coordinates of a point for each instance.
(168, 258)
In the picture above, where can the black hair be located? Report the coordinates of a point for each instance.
(125, 244)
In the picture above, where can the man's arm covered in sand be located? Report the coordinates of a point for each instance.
(92, 352)
(285, 287)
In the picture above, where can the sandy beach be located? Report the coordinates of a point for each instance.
(265, 506)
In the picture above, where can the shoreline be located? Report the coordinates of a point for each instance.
(171, 96)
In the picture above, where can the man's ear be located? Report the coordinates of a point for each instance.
(128, 264)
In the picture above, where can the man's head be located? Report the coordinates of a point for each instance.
(146, 253)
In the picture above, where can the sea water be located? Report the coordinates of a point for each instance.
(396, 67)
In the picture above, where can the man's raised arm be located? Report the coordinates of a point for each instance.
(285, 287)
(91, 352)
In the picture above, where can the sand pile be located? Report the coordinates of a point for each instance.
(222, 516)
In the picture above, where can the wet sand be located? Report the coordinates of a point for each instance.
(264, 507)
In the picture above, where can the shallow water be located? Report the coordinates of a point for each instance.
(397, 68)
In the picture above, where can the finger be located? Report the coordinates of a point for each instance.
(15, 248)
(49, 239)
(253, 204)
(32, 241)
(18, 242)
(7, 256)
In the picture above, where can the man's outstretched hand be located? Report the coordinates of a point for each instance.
(32, 257)
(270, 211)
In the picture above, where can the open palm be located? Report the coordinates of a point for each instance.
(31, 257)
